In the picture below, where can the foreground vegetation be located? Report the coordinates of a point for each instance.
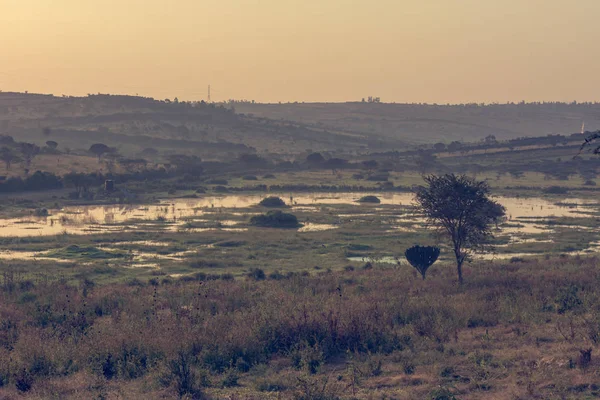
(513, 330)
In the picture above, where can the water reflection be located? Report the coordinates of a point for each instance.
(525, 214)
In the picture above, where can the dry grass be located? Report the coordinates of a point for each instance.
(514, 331)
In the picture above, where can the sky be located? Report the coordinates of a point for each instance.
(434, 51)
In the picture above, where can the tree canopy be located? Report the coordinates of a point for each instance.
(99, 149)
(460, 209)
(29, 151)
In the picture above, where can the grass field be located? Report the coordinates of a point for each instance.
(514, 331)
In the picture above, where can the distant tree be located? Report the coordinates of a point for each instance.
(52, 144)
(8, 157)
(439, 146)
(490, 139)
(29, 151)
(460, 209)
(99, 149)
(454, 146)
(80, 181)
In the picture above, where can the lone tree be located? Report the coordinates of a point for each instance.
(99, 149)
(422, 257)
(29, 151)
(8, 157)
(460, 208)
(52, 144)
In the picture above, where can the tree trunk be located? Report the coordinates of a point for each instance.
(460, 258)
(459, 263)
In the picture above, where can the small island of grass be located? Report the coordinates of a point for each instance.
(74, 252)
(369, 199)
(275, 219)
(272, 201)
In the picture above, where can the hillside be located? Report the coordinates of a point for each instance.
(421, 123)
(134, 123)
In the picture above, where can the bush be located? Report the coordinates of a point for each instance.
(369, 199)
(249, 178)
(275, 219)
(422, 257)
(272, 201)
(568, 299)
(257, 274)
(183, 376)
(23, 380)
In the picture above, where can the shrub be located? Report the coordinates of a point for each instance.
(275, 219)
(422, 257)
(23, 380)
(183, 376)
(568, 299)
(272, 201)
(257, 274)
(369, 199)
(249, 178)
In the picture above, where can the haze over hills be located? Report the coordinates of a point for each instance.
(222, 131)
(133, 123)
(423, 123)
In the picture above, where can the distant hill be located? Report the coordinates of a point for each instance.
(133, 123)
(419, 123)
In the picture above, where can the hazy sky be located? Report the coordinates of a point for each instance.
(305, 50)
